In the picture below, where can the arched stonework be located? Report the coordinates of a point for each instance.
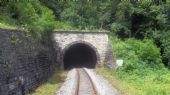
(80, 42)
(98, 41)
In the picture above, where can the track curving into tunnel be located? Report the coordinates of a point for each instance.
(79, 55)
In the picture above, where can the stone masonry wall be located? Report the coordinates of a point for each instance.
(25, 63)
(99, 41)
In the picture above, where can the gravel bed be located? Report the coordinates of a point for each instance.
(102, 86)
(69, 86)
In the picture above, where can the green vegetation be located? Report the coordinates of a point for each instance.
(142, 82)
(139, 31)
(51, 86)
(137, 54)
(31, 15)
(5, 26)
(142, 73)
(144, 19)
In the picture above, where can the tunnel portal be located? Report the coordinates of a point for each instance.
(82, 48)
(80, 55)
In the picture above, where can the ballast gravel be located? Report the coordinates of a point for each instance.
(69, 86)
(102, 86)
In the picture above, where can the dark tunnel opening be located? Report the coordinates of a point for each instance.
(80, 55)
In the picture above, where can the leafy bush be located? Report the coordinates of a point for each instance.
(165, 44)
(135, 18)
(120, 30)
(63, 25)
(31, 15)
(162, 40)
(137, 54)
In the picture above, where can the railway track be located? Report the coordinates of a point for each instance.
(83, 81)
(85, 85)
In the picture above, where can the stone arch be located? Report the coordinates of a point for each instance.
(83, 43)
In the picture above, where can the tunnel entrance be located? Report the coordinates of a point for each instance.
(80, 55)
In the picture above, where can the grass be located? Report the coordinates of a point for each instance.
(142, 73)
(6, 26)
(153, 83)
(52, 85)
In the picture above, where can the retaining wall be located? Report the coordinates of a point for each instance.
(25, 62)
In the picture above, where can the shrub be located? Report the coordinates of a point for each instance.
(137, 54)
(162, 40)
(119, 29)
(165, 45)
(30, 15)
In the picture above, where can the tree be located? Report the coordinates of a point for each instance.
(138, 17)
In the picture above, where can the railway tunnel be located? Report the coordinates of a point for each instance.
(82, 49)
(79, 55)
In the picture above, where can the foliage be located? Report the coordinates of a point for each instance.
(139, 23)
(161, 39)
(136, 18)
(28, 14)
(144, 19)
(83, 14)
(6, 26)
(50, 87)
(165, 44)
(142, 72)
(137, 54)
(125, 18)
(145, 82)
(63, 26)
